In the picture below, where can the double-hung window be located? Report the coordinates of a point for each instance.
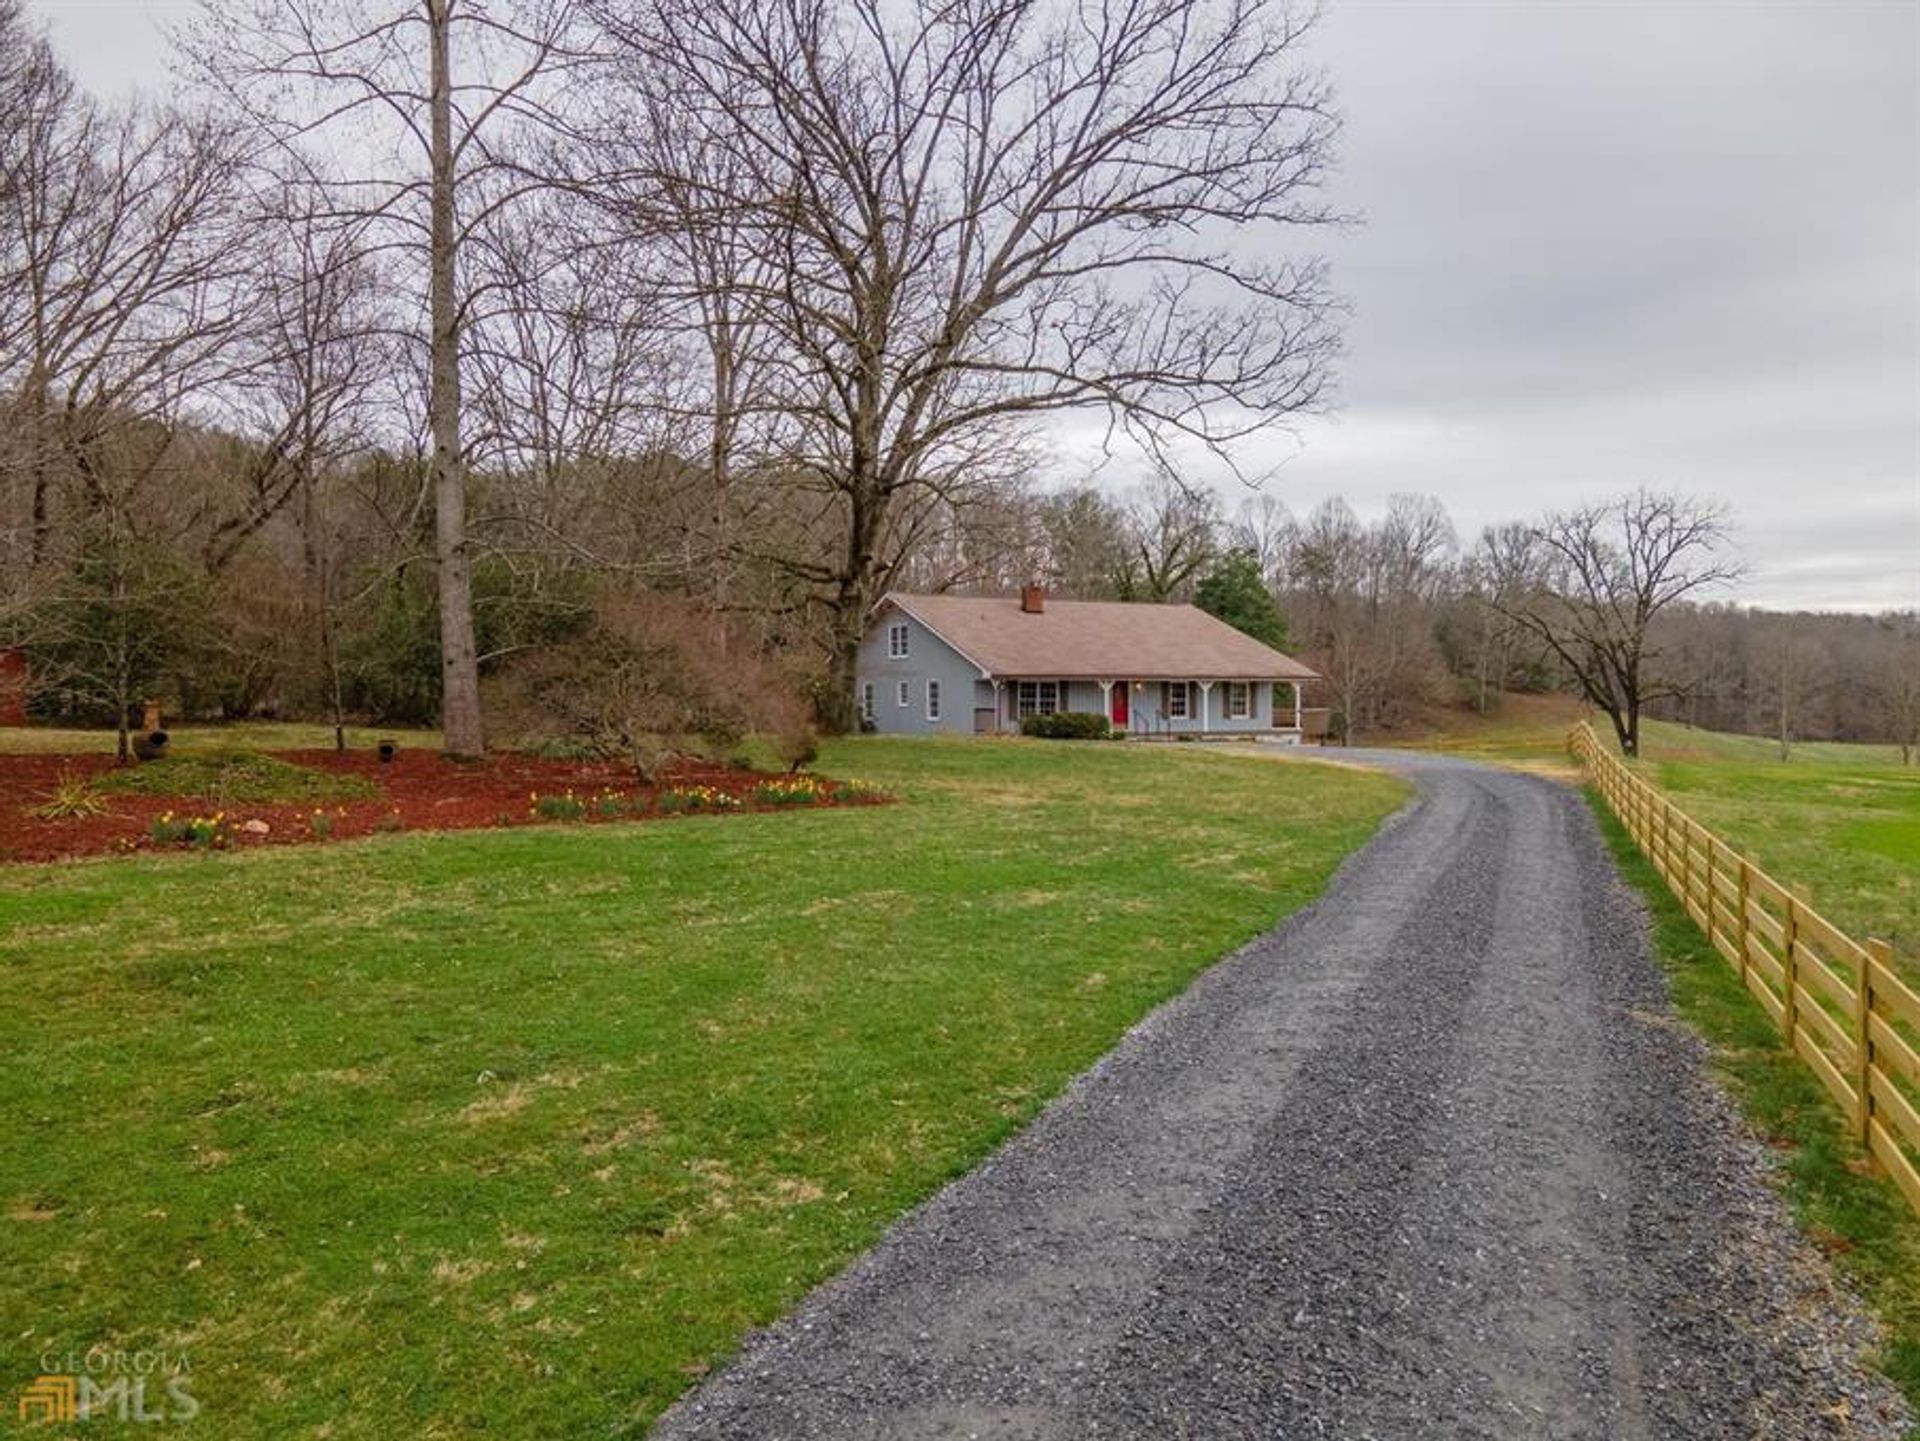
(1176, 700)
(866, 699)
(933, 700)
(1037, 697)
(904, 695)
(1239, 700)
(897, 641)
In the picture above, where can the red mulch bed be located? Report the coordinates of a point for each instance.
(420, 790)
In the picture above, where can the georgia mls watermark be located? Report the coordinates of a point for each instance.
(103, 1383)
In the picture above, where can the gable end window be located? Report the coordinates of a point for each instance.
(904, 697)
(897, 641)
(1239, 700)
(933, 700)
(1176, 691)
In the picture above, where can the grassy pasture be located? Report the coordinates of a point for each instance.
(517, 1132)
(1843, 820)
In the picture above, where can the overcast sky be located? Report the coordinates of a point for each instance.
(1604, 245)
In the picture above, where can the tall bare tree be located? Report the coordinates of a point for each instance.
(1172, 535)
(1608, 571)
(976, 214)
(1495, 576)
(1899, 689)
(409, 109)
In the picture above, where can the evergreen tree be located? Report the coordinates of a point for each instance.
(1235, 591)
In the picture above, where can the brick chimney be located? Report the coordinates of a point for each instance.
(1033, 599)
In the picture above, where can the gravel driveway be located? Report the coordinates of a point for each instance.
(1430, 1160)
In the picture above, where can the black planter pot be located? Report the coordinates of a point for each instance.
(387, 751)
(150, 745)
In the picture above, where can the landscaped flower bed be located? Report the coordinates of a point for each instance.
(417, 790)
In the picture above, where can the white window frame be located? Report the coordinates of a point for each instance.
(866, 699)
(1239, 700)
(1178, 699)
(899, 640)
(1038, 697)
(933, 700)
(904, 694)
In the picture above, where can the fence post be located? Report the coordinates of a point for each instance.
(1790, 930)
(1666, 840)
(1740, 928)
(1713, 893)
(1686, 864)
(1881, 952)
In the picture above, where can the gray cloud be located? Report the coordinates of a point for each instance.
(1608, 245)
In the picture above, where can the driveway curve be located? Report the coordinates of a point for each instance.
(1432, 1159)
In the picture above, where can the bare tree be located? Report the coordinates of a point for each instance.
(1608, 571)
(1363, 599)
(1264, 528)
(326, 350)
(1900, 689)
(1498, 574)
(423, 99)
(973, 215)
(1172, 534)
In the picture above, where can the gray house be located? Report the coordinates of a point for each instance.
(952, 664)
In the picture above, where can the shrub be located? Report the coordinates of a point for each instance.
(1067, 726)
(652, 678)
(390, 640)
(565, 806)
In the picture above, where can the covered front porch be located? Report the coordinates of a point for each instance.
(1158, 707)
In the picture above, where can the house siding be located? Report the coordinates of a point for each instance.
(1147, 708)
(928, 658)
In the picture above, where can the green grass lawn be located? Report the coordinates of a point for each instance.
(519, 1131)
(241, 735)
(236, 777)
(1841, 819)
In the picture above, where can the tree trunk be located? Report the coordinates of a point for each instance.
(838, 713)
(1786, 739)
(460, 724)
(1626, 726)
(122, 662)
(42, 528)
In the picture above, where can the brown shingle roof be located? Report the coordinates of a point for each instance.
(1097, 640)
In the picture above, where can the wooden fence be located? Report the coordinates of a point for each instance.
(1839, 1004)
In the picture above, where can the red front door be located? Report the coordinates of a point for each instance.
(1119, 712)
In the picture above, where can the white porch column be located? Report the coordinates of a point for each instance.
(1206, 689)
(999, 720)
(1106, 700)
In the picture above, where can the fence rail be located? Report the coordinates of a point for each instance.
(1837, 1001)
